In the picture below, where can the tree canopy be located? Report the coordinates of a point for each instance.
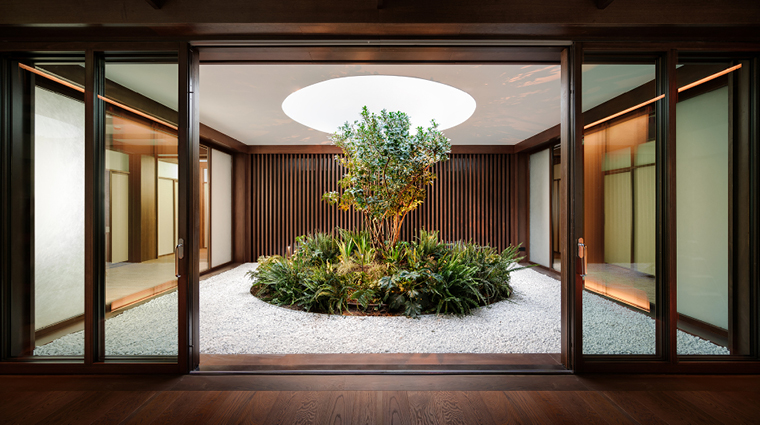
(388, 169)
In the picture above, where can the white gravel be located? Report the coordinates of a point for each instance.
(147, 330)
(235, 322)
(610, 328)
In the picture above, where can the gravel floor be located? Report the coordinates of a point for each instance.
(234, 322)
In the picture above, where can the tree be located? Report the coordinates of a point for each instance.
(388, 169)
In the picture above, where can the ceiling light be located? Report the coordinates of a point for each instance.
(327, 105)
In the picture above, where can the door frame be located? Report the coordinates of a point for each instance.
(666, 359)
(94, 360)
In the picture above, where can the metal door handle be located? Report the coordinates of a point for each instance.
(179, 253)
(583, 255)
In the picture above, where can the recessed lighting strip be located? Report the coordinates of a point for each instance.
(632, 108)
(684, 88)
(105, 99)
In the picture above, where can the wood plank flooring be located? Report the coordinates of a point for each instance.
(380, 399)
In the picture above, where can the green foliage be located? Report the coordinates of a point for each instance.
(388, 169)
(335, 274)
(319, 248)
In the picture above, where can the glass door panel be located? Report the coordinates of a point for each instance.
(47, 170)
(140, 204)
(619, 208)
(710, 186)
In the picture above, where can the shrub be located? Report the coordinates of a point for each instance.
(331, 274)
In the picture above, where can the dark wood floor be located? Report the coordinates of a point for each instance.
(381, 399)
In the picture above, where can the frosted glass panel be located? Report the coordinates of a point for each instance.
(58, 210)
(618, 219)
(221, 208)
(702, 175)
(616, 159)
(644, 220)
(540, 214)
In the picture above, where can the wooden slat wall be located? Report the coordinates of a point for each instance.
(468, 201)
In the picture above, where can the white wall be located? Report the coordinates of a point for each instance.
(165, 222)
(119, 217)
(702, 213)
(58, 208)
(221, 208)
(540, 214)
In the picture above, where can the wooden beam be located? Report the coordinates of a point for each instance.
(482, 149)
(217, 139)
(331, 149)
(541, 140)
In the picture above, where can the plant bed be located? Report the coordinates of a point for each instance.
(345, 274)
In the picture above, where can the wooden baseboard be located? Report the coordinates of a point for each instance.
(141, 295)
(703, 330)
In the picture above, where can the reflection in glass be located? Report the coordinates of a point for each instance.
(141, 209)
(205, 185)
(703, 178)
(619, 209)
(556, 197)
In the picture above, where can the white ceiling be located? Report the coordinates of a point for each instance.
(514, 102)
(157, 81)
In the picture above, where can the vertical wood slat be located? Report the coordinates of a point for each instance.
(470, 200)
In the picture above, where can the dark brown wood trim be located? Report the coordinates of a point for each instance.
(705, 365)
(482, 149)
(94, 227)
(76, 367)
(540, 141)
(218, 140)
(379, 53)
(240, 239)
(571, 207)
(667, 234)
(703, 330)
(293, 149)
(332, 149)
(189, 204)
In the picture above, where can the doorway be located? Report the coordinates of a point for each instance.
(473, 199)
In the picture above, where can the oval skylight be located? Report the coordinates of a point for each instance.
(327, 105)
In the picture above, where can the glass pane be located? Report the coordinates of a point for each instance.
(619, 208)
(58, 208)
(703, 178)
(205, 185)
(141, 199)
(556, 198)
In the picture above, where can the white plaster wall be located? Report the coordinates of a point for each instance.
(165, 216)
(119, 217)
(58, 208)
(540, 214)
(702, 215)
(221, 208)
